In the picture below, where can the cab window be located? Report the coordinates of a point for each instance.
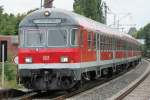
(74, 37)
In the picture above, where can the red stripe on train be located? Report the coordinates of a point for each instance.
(49, 55)
(106, 55)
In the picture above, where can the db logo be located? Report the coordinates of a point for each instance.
(110, 56)
(46, 57)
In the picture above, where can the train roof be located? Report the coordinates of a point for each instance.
(76, 19)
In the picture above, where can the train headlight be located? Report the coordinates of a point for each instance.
(16, 60)
(47, 13)
(28, 60)
(64, 59)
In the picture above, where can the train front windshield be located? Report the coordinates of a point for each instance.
(44, 38)
(35, 38)
(57, 38)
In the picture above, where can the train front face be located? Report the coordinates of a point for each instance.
(49, 55)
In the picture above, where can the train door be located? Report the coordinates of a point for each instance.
(98, 47)
(82, 46)
(113, 49)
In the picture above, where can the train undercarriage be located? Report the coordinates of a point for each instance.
(58, 79)
(65, 79)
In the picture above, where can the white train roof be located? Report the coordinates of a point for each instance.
(77, 19)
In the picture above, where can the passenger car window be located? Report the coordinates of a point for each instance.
(98, 41)
(89, 40)
(95, 40)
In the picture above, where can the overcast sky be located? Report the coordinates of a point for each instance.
(129, 11)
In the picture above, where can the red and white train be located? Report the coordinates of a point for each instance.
(59, 48)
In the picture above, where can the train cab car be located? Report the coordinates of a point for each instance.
(49, 54)
(59, 48)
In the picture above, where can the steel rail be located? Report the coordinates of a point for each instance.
(87, 87)
(128, 91)
(27, 96)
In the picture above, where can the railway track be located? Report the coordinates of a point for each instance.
(10, 93)
(131, 87)
(27, 96)
(86, 87)
(13, 94)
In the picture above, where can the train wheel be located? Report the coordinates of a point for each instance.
(28, 85)
(110, 72)
(127, 66)
(105, 72)
(92, 75)
(118, 69)
(86, 76)
(67, 83)
(77, 85)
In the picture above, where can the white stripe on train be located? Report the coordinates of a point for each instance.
(72, 65)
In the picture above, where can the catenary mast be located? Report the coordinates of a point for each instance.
(48, 3)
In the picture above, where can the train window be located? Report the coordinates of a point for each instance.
(89, 40)
(120, 44)
(21, 38)
(81, 35)
(124, 45)
(34, 38)
(94, 40)
(74, 36)
(98, 41)
(57, 38)
(116, 44)
(47, 21)
(110, 44)
(102, 42)
(105, 43)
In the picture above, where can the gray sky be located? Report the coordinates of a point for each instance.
(139, 9)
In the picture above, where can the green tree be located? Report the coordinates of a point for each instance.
(9, 23)
(144, 33)
(140, 34)
(89, 8)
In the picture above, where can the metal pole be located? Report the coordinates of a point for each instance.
(114, 21)
(105, 11)
(118, 24)
(3, 65)
(41, 3)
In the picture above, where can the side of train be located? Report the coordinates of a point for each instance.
(59, 48)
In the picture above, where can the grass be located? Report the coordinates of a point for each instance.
(10, 73)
